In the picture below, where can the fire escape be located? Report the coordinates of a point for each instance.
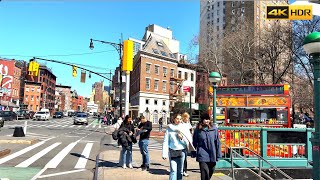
(176, 96)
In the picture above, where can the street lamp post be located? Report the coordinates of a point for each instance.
(214, 78)
(118, 47)
(311, 44)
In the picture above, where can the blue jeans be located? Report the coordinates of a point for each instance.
(160, 127)
(143, 145)
(176, 167)
(126, 155)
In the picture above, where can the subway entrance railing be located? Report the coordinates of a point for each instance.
(282, 147)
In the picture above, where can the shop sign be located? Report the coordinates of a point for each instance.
(262, 90)
(231, 101)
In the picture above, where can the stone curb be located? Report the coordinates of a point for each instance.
(4, 152)
(18, 141)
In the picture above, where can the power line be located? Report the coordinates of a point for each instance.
(62, 55)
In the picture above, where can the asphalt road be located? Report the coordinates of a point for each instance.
(65, 151)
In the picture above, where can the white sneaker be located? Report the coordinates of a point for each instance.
(185, 174)
(130, 166)
(124, 167)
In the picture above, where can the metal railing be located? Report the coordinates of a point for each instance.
(259, 168)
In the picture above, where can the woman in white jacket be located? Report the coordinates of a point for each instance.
(176, 139)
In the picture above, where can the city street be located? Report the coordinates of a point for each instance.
(64, 150)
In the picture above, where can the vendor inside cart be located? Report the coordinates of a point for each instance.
(256, 116)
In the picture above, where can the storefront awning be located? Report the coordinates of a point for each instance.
(8, 103)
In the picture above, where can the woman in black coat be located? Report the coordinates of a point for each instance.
(125, 135)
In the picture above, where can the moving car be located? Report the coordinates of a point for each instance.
(80, 118)
(58, 114)
(41, 115)
(8, 115)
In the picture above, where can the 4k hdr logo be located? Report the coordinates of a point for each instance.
(292, 12)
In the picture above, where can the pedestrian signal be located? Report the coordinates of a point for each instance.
(74, 71)
(33, 68)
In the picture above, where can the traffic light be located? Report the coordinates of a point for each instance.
(74, 71)
(33, 68)
(127, 59)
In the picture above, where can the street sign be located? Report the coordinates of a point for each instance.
(186, 88)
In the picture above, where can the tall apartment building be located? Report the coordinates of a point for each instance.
(222, 16)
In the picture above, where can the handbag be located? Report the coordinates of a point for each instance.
(175, 153)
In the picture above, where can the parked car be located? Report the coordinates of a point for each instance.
(80, 118)
(58, 114)
(8, 115)
(41, 115)
(23, 114)
(1, 122)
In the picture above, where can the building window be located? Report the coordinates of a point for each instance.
(218, 12)
(155, 51)
(156, 69)
(148, 66)
(217, 20)
(171, 86)
(31, 98)
(242, 9)
(179, 74)
(147, 101)
(164, 86)
(233, 11)
(218, 4)
(155, 102)
(163, 53)
(165, 71)
(27, 89)
(38, 98)
(186, 75)
(191, 76)
(232, 4)
(163, 103)
(147, 83)
(159, 44)
(172, 73)
(156, 84)
(26, 98)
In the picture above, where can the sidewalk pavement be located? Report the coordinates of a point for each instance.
(107, 167)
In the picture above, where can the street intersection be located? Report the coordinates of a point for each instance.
(64, 150)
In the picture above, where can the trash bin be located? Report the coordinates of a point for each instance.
(18, 132)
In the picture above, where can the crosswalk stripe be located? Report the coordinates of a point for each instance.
(32, 159)
(53, 163)
(14, 155)
(81, 164)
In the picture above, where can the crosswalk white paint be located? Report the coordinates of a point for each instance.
(16, 154)
(53, 163)
(81, 164)
(69, 125)
(32, 159)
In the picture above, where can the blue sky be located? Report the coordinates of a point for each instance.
(62, 30)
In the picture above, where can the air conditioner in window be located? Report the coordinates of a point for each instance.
(164, 75)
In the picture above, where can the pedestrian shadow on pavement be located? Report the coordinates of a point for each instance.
(158, 164)
(159, 171)
(80, 155)
(107, 164)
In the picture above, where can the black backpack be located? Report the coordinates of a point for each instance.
(115, 135)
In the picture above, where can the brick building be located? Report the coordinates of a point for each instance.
(32, 94)
(65, 97)
(48, 85)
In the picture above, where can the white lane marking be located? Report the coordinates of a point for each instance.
(65, 125)
(53, 163)
(39, 173)
(94, 126)
(81, 164)
(72, 126)
(61, 173)
(32, 159)
(27, 149)
(71, 136)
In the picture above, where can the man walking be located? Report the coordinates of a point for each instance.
(144, 130)
(160, 124)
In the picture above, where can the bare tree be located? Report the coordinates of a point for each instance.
(238, 45)
(273, 57)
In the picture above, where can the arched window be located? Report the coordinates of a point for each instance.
(155, 117)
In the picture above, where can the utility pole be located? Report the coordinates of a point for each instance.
(109, 97)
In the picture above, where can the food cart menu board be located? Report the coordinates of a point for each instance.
(270, 89)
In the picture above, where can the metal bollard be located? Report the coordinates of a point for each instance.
(25, 127)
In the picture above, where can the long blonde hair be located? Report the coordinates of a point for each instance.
(185, 117)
